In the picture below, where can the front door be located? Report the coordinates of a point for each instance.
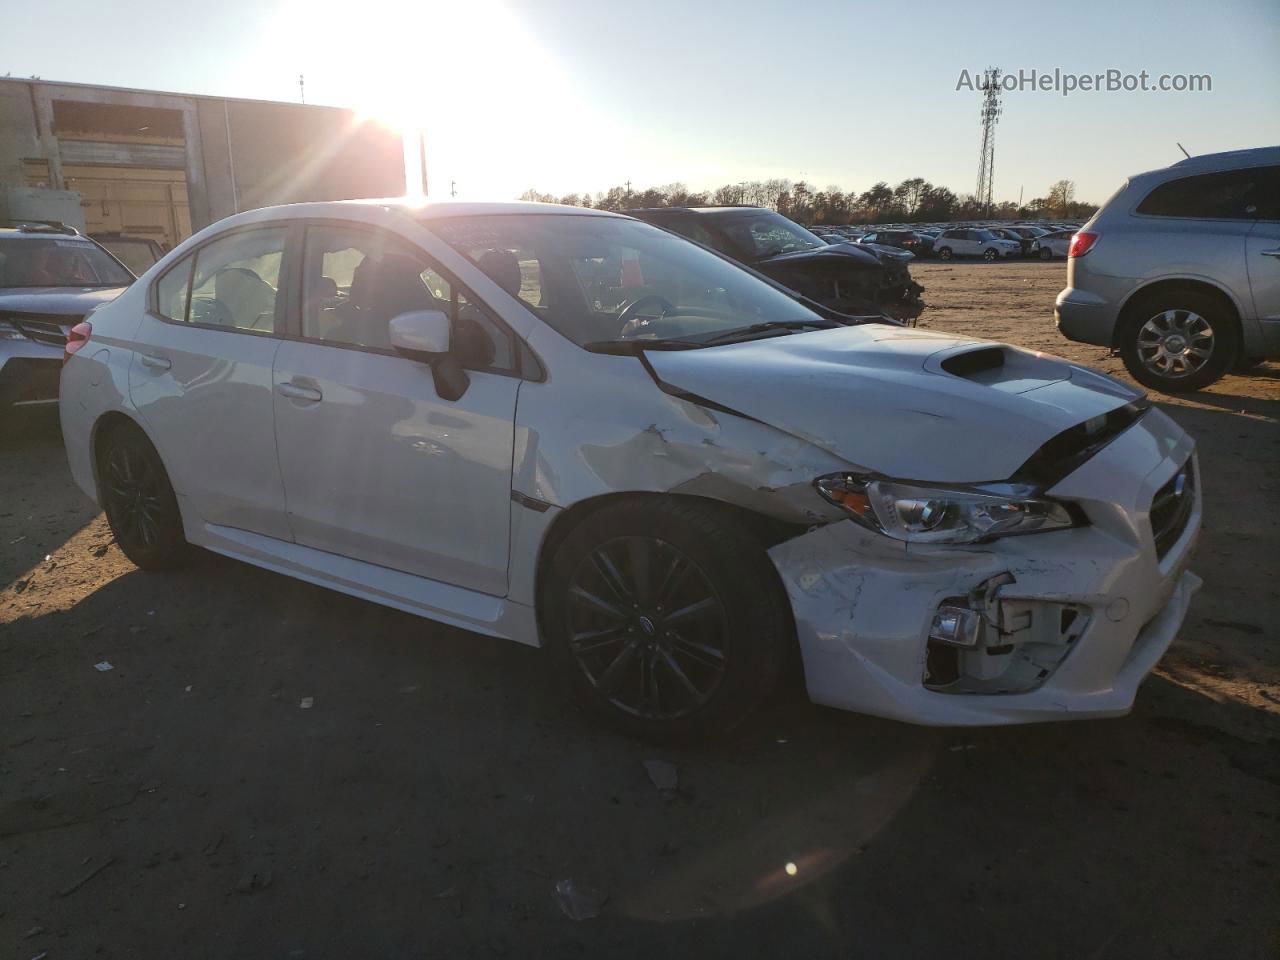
(201, 378)
(376, 465)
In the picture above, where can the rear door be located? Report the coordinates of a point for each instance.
(1262, 257)
(376, 465)
(201, 377)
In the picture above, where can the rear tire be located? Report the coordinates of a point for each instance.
(138, 499)
(1178, 341)
(989, 254)
(1046, 253)
(666, 618)
(944, 253)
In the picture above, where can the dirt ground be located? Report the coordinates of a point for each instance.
(273, 770)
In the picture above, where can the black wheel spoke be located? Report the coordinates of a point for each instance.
(600, 605)
(589, 641)
(680, 675)
(638, 550)
(614, 580)
(613, 674)
(625, 601)
(675, 576)
(698, 652)
(692, 611)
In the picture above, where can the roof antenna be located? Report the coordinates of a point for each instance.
(1184, 150)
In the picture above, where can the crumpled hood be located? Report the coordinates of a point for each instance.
(62, 301)
(858, 253)
(911, 404)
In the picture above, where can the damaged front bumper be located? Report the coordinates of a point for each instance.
(1060, 625)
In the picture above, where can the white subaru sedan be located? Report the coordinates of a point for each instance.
(578, 431)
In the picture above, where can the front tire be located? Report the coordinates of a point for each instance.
(989, 254)
(138, 499)
(667, 618)
(1046, 253)
(1178, 341)
(944, 253)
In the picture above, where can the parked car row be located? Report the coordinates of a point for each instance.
(923, 241)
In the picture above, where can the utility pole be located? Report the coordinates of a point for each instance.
(453, 188)
(990, 115)
(302, 89)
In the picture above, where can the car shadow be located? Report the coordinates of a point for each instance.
(41, 508)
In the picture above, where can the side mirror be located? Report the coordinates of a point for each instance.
(421, 332)
(424, 335)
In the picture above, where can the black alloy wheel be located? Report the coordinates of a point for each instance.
(647, 628)
(141, 508)
(666, 617)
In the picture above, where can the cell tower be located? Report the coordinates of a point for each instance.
(990, 87)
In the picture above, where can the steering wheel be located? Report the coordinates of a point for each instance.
(630, 321)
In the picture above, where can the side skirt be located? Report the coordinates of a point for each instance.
(456, 606)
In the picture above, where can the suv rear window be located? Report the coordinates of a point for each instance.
(1231, 195)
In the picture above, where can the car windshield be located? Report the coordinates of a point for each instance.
(605, 279)
(767, 234)
(58, 262)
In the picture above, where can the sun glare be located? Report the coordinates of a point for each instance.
(497, 113)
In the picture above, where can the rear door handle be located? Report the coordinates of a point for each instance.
(154, 362)
(1272, 253)
(295, 392)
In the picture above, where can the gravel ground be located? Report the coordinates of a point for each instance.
(273, 770)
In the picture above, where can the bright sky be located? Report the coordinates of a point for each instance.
(578, 95)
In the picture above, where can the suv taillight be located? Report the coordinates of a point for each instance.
(78, 337)
(1081, 243)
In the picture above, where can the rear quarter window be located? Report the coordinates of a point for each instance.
(1229, 195)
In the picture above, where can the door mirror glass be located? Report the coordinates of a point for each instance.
(421, 332)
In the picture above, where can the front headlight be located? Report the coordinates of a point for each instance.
(919, 513)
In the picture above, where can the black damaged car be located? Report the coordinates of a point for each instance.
(844, 277)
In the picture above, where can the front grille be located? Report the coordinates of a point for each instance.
(1171, 508)
(50, 328)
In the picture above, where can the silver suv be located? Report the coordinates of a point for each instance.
(1180, 270)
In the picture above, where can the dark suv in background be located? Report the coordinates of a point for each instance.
(843, 277)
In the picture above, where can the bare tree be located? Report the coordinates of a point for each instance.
(1061, 195)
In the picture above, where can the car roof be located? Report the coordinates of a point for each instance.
(1230, 159)
(41, 233)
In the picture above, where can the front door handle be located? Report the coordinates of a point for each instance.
(295, 392)
(154, 362)
(1272, 253)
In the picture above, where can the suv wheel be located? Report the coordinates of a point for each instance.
(666, 618)
(944, 253)
(1178, 341)
(990, 254)
(138, 500)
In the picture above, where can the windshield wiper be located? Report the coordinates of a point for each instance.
(630, 348)
(756, 329)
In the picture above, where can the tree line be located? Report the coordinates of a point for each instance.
(912, 200)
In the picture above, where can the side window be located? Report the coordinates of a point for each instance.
(172, 290)
(355, 281)
(695, 232)
(236, 280)
(1233, 195)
